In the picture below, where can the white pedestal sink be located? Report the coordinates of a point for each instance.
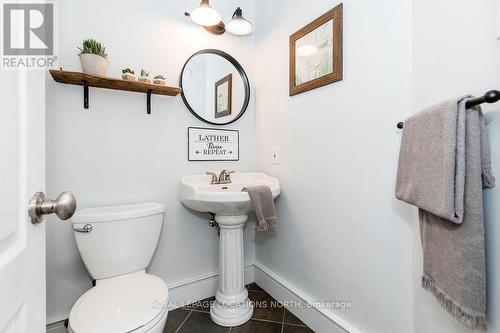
(231, 207)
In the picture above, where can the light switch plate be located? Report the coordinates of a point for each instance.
(276, 155)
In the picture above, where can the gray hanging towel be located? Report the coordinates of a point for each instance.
(263, 204)
(444, 162)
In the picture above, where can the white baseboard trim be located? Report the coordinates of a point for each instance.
(205, 286)
(56, 320)
(57, 327)
(318, 319)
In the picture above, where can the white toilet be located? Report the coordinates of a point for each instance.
(116, 244)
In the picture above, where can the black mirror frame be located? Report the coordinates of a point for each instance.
(241, 71)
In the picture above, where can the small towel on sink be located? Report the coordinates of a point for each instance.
(263, 204)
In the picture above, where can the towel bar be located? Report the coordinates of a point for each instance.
(491, 96)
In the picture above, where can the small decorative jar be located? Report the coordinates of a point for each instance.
(144, 77)
(160, 79)
(128, 75)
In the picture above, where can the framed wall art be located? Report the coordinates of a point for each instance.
(316, 53)
(224, 96)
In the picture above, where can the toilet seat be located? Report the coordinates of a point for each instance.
(133, 302)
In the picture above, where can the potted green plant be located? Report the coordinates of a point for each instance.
(159, 79)
(93, 57)
(128, 74)
(144, 76)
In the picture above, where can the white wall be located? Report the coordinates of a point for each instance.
(498, 19)
(492, 216)
(341, 233)
(114, 153)
(456, 53)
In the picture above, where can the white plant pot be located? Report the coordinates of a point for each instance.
(145, 79)
(93, 64)
(129, 77)
(160, 82)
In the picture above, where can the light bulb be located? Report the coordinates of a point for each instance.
(307, 50)
(205, 15)
(238, 25)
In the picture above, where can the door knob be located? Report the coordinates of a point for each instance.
(64, 206)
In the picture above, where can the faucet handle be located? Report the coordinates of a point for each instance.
(222, 175)
(214, 177)
(228, 175)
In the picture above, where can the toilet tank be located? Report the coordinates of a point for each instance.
(122, 239)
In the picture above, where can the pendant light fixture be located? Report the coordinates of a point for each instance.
(205, 15)
(239, 25)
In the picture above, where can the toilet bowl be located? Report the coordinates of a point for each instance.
(116, 245)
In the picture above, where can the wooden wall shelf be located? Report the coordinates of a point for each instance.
(89, 80)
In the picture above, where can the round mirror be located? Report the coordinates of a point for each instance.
(215, 87)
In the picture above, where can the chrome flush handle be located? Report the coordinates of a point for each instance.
(64, 206)
(85, 228)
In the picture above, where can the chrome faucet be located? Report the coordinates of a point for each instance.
(224, 177)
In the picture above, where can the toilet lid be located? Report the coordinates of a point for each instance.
(120, 304)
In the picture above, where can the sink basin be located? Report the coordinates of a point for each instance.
(231, 207)
(225, 199)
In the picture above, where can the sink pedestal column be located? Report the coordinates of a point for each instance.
(232, 306)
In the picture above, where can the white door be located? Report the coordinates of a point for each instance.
(22, 173)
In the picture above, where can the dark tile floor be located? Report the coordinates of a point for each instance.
(270, 319)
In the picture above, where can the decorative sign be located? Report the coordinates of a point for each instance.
(208, 144)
